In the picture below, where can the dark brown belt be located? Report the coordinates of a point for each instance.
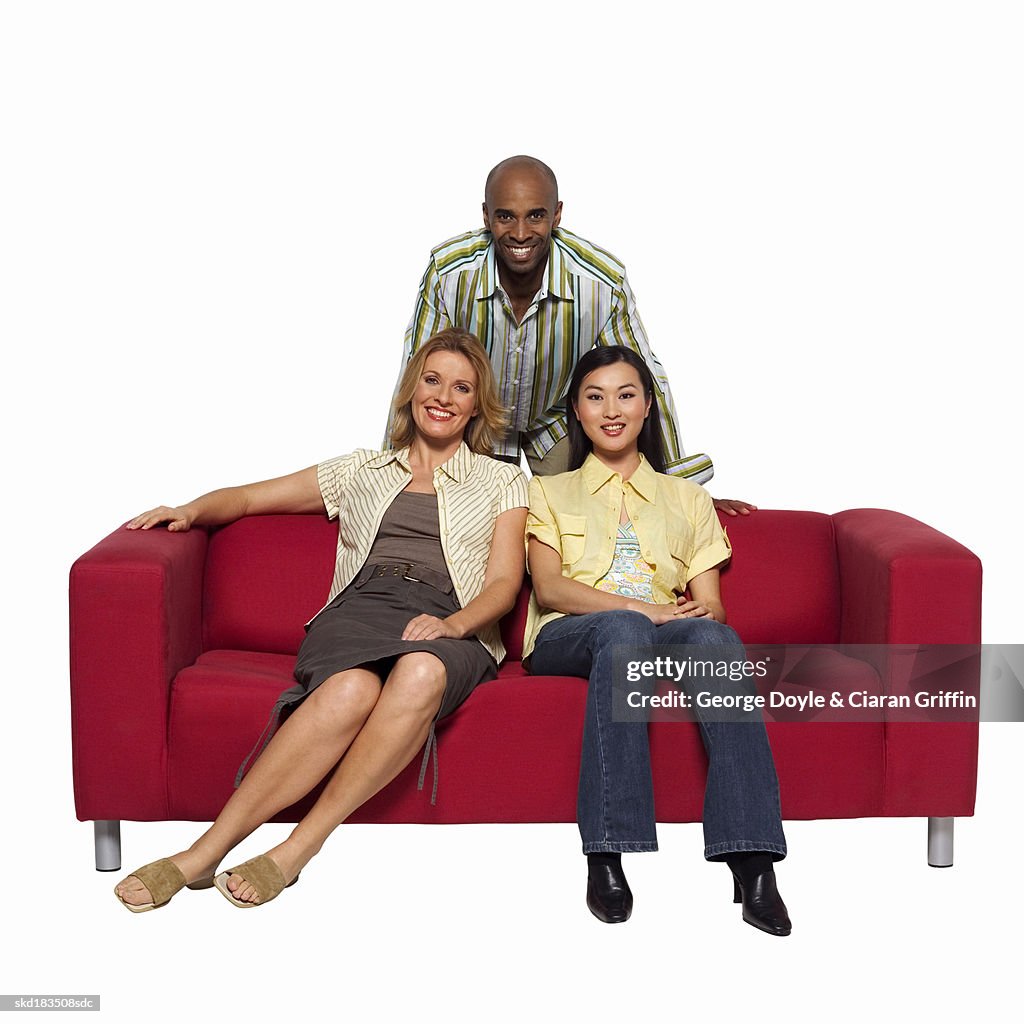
(407, 571)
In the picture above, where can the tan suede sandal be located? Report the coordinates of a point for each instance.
(260, 872)
(163, 879)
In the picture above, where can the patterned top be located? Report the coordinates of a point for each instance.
(630, 574)
(472, 491)
(585, 301)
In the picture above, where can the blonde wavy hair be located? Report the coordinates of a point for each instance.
(489, 424)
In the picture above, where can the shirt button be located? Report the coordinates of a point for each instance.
(515, 383)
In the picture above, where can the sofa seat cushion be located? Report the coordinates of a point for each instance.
(509, 754)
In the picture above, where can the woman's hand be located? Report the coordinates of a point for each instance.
(707, 597)
(430, 627)
(695, 610)
(177, 519)
(659, 614)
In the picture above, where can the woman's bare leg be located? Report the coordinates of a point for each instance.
(302, 752)
(394, 732)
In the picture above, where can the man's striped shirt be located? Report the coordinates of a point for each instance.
(585, 301)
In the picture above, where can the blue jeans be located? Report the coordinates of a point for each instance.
(615, 804)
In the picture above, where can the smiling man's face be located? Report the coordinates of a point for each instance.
(521, 209)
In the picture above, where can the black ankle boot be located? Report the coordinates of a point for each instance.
(753, 885)
(608, 894)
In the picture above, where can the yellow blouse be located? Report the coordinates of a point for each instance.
(577, 514)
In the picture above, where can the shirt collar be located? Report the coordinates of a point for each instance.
(644, 479)
(488, 283)
(457, 467)
(386, 458)
(559, 280)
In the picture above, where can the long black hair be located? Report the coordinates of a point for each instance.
(649, 442)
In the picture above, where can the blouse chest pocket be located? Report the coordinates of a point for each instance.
(572, 537)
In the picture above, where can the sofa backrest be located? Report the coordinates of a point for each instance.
(268, 575)
(782, 584)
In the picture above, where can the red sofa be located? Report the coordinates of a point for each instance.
(181, 642)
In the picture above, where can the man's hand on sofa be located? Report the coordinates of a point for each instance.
(732, 507)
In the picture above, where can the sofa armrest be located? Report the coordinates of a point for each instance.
(903, 582)
(136, 621)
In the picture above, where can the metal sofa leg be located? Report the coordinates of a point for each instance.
(940, 842)
(107, 838)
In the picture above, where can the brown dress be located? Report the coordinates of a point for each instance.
(363, 625)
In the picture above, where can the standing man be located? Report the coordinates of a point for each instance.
(538, 297)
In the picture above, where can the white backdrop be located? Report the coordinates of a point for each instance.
(208, 209)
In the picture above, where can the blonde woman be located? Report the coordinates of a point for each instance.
(429, 558)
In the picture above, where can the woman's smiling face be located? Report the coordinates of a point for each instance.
(611, 408)
(445, 398)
